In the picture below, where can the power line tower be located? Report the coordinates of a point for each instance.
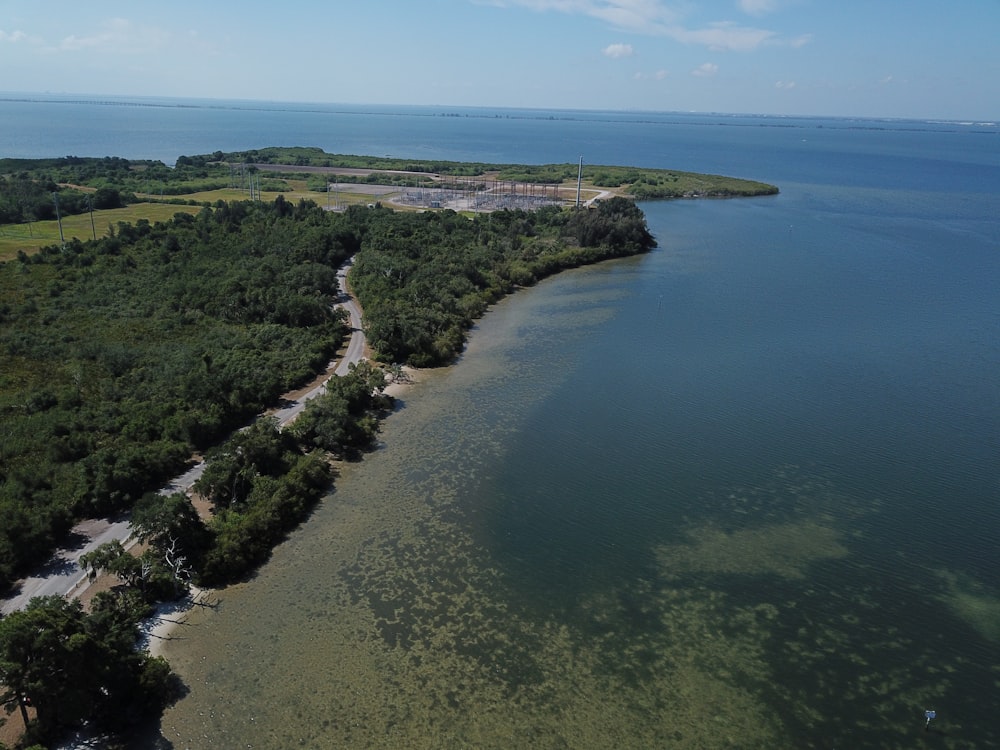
(579, 182)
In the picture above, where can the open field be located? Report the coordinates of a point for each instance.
(349, 193)
(38, 234)
(30, 238)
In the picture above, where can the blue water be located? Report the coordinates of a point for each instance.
(827, 355)
(756, 471)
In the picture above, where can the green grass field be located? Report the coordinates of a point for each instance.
(29, 238)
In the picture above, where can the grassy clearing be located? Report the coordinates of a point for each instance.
(296, 190)
(41, 233)
(31, 238)
(235, 194)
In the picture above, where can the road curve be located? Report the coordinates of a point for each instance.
(62, 575)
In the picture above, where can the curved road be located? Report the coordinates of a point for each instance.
(62, 575)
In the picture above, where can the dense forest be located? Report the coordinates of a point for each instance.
(26, 199)
(27, 185)
(71, 666)
(419, 302)
(125, 356)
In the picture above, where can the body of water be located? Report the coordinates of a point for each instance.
(742, 492)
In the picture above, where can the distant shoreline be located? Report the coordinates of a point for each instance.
(482, 111)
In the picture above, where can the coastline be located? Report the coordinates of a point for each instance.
(76, 584)
(695, 314)
(171, 617)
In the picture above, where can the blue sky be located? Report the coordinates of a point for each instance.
(879, 58)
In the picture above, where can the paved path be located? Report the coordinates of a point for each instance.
(62, 575)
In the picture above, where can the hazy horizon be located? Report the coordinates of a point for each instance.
(154, 100)
(797, 58)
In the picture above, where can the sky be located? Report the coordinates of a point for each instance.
(853, 58)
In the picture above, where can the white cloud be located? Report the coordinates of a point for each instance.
(784, 85)
(661, 74)
(632, 15)
(618, 50)
(118, 35)
(13, 36)
(724, 36)
(705, 70)
(659, 18)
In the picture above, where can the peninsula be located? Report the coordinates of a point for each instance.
(211, 290)
(49, 201)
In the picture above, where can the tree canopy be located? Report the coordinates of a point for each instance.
(126, 355)
(72, 667)
(422, 279)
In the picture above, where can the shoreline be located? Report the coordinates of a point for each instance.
(77, 584)
(170, 617)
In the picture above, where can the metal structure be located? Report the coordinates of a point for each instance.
(476, 194)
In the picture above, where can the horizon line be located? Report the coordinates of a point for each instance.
(51, 97)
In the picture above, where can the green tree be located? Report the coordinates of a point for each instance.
(73, 667)
(342, 418)
(244, 535)
(113, 558)
(37, 646)
(230, 469)
(176, 534)
(107, 197)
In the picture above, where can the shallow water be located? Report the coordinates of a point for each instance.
(692, 499)
(740, 492)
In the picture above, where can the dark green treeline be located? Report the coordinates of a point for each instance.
(124, 356)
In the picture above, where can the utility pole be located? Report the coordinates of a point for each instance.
(579, 180)
(90, 202)
(62, 240)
